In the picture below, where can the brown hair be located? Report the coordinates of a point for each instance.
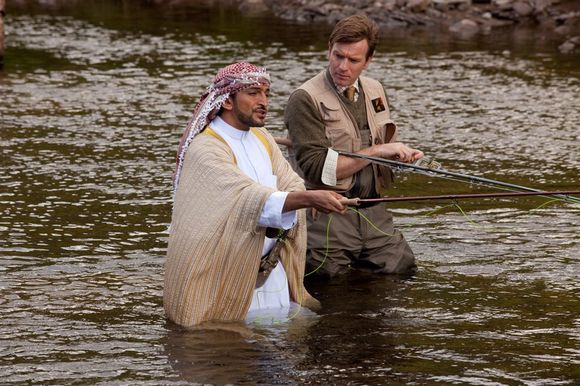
(353, 29)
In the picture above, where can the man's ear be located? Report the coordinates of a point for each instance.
(228, 104)
(368, 62)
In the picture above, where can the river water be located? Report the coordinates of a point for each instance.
(93, 100)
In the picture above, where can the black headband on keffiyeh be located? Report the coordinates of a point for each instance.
(230, 79)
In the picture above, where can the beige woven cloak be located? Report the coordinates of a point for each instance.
(215, 242)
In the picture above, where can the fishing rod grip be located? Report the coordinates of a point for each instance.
(350, 201)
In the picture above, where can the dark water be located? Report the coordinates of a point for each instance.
(93, 101)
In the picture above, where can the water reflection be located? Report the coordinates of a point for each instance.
(228, 353)
(212, 356)
(91, 114)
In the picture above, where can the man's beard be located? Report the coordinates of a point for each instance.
(247, 120)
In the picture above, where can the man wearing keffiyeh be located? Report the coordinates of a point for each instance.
(231, 184)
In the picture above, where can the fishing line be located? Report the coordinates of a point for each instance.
(327, 243)
(546, 203)
(370, 222)
(432, 212)
(455, 204)
(473, 223)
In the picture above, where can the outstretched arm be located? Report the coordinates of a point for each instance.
(322, 200)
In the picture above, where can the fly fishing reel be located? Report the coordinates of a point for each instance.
(428, 163)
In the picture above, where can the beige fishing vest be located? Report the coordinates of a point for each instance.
(341, 127)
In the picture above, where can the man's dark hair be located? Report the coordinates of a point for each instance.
(353, 29)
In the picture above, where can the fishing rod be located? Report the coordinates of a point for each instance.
(358, 201)
(462, 177)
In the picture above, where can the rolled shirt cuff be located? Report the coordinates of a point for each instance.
(272, 215)
(329, 169)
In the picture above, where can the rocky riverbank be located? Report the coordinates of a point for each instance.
(466, 18)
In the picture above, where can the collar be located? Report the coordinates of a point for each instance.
(341, 89)
(225, 128)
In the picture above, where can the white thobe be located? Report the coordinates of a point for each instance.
(253, 159)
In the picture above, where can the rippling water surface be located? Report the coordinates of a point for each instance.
(90, 116)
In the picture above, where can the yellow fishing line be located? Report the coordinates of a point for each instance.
(327, 247)
(431, 213)
(548, 203)
(327, 242)
(370, 222)
(456, 204)
(466, 216)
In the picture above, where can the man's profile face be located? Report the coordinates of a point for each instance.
(347, 61)
(250, 107)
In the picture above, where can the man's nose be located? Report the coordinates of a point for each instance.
(343, 64)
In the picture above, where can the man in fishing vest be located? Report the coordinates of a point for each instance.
(340, 110)
(231, 184)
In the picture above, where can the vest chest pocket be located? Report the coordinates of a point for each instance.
(338, 127)
(331, 114)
